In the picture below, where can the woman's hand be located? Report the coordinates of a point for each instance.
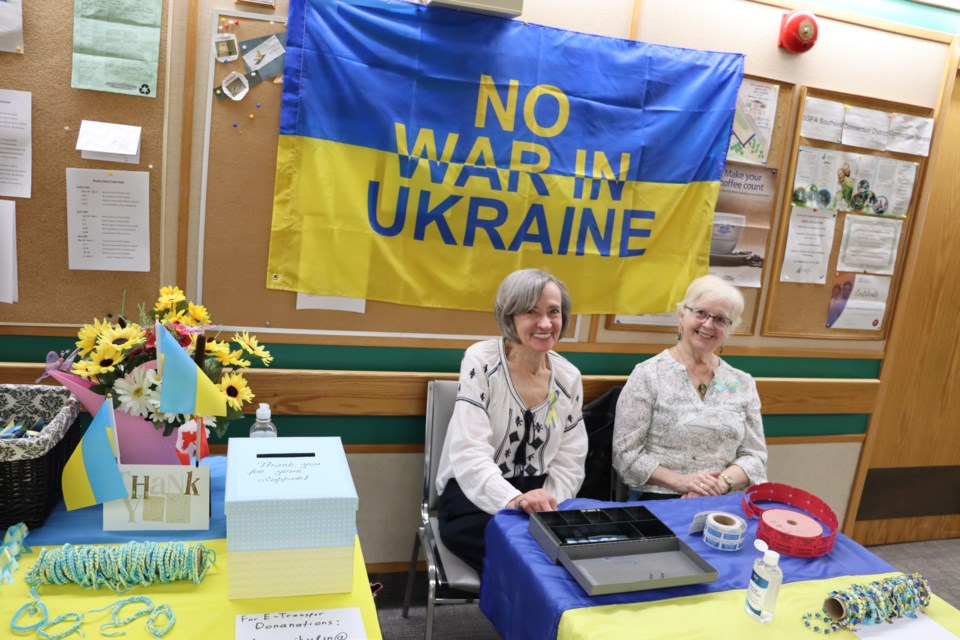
(702, 483)
(536, 500)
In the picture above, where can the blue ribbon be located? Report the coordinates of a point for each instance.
(11, 549)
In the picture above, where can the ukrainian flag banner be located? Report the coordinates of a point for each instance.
(425, 153)
(91, 475)
(184, 388)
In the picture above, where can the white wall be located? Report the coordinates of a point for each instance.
(846, 57)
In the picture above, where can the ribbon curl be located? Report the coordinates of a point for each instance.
(11, 549)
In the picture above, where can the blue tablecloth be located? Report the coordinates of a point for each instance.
(85, 526)
(524, 594)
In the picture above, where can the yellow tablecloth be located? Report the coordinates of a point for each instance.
(202, 611)
(721, 615)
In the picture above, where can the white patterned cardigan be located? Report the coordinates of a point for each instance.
(662, 421)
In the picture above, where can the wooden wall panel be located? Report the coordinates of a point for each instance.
(388, 393)
(915, 423)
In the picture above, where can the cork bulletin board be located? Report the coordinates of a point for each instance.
(49, 292)
(235, 224)
(801, 309)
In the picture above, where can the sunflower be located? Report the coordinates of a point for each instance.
(104, 359)
(217, 349)
(197, 315)
(123, 338)
(252, 346)
(82, 369)
(88, 335)
(231, 358)
(173, 315)
(235, 388)
(169, 298)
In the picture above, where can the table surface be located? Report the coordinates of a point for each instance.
(202, 611)
(525, 595)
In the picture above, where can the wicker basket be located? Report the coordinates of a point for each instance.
(30, 468)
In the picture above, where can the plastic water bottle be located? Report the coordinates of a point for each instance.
(764, 584)
(263, 428)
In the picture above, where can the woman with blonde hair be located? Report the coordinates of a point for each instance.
(687, 423)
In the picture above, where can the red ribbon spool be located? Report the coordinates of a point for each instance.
(782, 541)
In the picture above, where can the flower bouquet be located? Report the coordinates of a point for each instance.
(120, 359)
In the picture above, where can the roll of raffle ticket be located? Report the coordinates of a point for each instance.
(721, 530)
(787, 531)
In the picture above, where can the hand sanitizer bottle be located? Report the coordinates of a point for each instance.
(263, 428)
(764, 584)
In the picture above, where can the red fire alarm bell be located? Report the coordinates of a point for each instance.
(798, 31)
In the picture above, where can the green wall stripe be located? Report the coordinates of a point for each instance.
(815, 425)
(409, 429)
(339, 358)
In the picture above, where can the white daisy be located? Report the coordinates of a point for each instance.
(133, 393)
(175, 418)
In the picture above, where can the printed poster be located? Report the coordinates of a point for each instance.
(753, 122)
(822, 119)
(741, 224)
(16, 143)
(849, 181)
(809, 242)
(869, 244)
(108, 220)
(866, 128)
(116, 46)
(858, 301)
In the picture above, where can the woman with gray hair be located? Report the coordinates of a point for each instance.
(516, 438)
(687, 423)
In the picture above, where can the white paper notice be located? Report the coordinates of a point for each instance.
(9, 291)
(265, 53)
(108, 220)
(336, 624)
(867, 128)
(869, 244)
(910, 134)
(822, 119)
(11, 26)
(668, 319)
(16, 148)
(866, 305)
(815, 177)
(108, 141)
(905, 629)
(753, 121)
(809, 240)
(331, 303)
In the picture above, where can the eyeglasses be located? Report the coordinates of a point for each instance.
(703, 315)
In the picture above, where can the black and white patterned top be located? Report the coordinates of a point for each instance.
(488, 425)
(661, 420)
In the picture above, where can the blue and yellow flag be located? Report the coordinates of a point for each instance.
(184, 388)
(425, 153)
(91, 475)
